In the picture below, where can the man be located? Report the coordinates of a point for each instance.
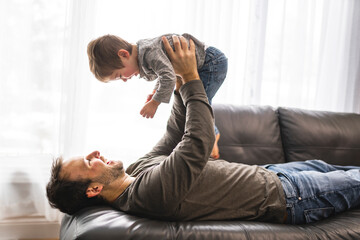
(176, 180)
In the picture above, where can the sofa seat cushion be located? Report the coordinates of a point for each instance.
(107, 223)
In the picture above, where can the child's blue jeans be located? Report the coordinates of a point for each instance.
(213, 73)
(315, 190)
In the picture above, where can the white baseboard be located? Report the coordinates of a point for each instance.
(29, 228)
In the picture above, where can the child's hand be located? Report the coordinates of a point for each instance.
(149, 97)
(149, 109)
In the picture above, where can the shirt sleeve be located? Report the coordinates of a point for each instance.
(156, 86)
(173, 178)
(159, 62)
(174, 129)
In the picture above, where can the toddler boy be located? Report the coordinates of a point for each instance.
(112, 58)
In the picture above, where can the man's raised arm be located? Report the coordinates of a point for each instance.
(184, 165)
(183, 60)
(184, 64)
(190, 136)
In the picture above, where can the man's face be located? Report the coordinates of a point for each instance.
(94, 167)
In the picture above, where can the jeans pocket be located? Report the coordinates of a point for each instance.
(316, 214)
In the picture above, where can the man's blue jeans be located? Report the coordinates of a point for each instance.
(213, 73)
(315, 190)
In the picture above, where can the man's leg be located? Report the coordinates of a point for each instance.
(314, 195)
(315, 189)
(309, 165)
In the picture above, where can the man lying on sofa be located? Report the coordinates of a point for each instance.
(176, 180)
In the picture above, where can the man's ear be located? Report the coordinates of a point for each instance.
(123, 53)
(93, 190)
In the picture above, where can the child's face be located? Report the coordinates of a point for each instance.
(129, 70)
(124, 73)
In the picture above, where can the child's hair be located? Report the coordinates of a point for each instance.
(103, 55)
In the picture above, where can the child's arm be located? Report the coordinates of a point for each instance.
(160, 64)
(164, 86)
(149, 110)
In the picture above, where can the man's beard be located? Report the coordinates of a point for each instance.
(111, 174)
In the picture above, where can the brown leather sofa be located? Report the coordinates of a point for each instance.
(252, 135)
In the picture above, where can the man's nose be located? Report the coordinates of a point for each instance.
(94, 154)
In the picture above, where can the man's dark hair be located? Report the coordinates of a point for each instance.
(68, 196)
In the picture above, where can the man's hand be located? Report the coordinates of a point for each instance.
(149, 110)
(183, 58)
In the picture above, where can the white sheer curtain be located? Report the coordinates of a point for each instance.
(43, 97)
(298, 53)
(311, 55)
(31, 48)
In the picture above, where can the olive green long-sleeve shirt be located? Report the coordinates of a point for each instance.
(176, 180)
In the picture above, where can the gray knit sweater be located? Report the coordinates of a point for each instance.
(154, 64)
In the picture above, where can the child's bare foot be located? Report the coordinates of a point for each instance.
(215, 151)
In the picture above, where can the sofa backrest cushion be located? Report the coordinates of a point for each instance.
(249, 134)
(329, 136)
